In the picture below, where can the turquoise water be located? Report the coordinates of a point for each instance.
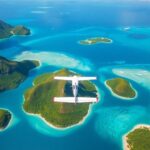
(57, 27)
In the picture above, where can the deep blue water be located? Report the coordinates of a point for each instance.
(56, 29)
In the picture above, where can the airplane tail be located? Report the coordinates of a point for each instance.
(76, 99)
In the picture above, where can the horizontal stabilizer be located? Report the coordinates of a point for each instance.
(75, 100)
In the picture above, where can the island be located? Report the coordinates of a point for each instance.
(95, 40)
(12, 73)
(38, 99)
(7, 30)
(121, 88)
(138, 138)
(5, 117)
(20, 30)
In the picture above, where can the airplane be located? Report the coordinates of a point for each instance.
(75, 82)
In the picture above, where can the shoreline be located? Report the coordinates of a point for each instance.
(124, 138)
(81, 122)
(40, 63)
(59, 59)
(121, 97)
(13, 35)
(58, 128)
(98, 93)
(37, 67)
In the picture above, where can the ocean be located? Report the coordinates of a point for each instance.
(57, 27)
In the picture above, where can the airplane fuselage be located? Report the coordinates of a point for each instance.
(75, 84)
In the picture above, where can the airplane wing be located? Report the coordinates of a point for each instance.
(87, 100)
(63, 78)
(74, 100)
(64, 99)
(86, 78)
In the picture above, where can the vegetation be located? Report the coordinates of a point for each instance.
(20, 30)
(7, 30)
(121, 87)
(12, 73)
(95, 40)
(39, 99)
(5, 117)
(139, 139)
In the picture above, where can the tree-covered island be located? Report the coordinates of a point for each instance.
(12, 73)
(138, 138)
(5, 117)
(95, 40)
(121, 87)
(7, 30)
(39, 99)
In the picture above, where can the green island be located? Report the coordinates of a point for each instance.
(5, 117)
(7, 30)
(39, 99)
(12, 73)
(138, 139)
(121, 87)
(20, 30)
(95, 40)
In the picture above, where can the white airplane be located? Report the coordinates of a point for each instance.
(75, 81)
